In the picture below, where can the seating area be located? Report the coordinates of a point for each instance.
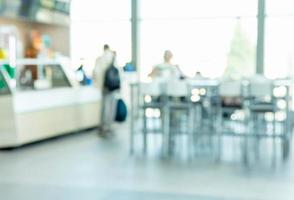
(189, 118)
(146, 99)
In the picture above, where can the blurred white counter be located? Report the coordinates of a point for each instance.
(33, 115)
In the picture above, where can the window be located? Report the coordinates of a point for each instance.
(214, 37)
(99, 22)
(98, 10)
(88, 39)
(189, 9)
(279, 8)
(279, 40)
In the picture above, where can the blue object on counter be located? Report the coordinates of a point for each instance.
(88, 81)
(129, 67)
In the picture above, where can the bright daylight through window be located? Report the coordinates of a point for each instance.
(213, 37)
(279, 38)
(99, 22)
(216, 38)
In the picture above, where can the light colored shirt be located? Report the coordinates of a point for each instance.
(167, 71)
(101, 65)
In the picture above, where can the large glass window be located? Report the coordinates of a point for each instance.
(187, 9)
(279, 38)
(214, 37)
(98, 22)
(279, 8)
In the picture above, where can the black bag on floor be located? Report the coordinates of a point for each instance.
(121, 111)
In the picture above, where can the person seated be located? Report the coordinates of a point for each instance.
(166, 70)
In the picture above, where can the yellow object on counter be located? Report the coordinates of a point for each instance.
(10, 70)
(3, 54)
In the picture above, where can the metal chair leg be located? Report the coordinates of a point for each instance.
(144, 133)
(250, 126)
(285, 148)
(191, 133)
(132, 123)
(258, 119)
(274, 158)
(218, 127)
(166, 132)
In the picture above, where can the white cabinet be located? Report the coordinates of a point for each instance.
(31, 115)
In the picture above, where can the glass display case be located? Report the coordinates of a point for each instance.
(38, 77)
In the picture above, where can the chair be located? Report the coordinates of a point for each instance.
(259, 100)
(177, 106)
(231, 93)
(151, 98)
(206, 105)
(282, 93)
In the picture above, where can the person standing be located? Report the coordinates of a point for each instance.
(102, 66)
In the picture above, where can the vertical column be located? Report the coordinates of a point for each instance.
(135, 63)
(260, 37)
(135, 32)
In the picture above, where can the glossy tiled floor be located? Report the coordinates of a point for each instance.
(84, 166)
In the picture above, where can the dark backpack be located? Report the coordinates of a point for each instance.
(121, 111)
(112, 79)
